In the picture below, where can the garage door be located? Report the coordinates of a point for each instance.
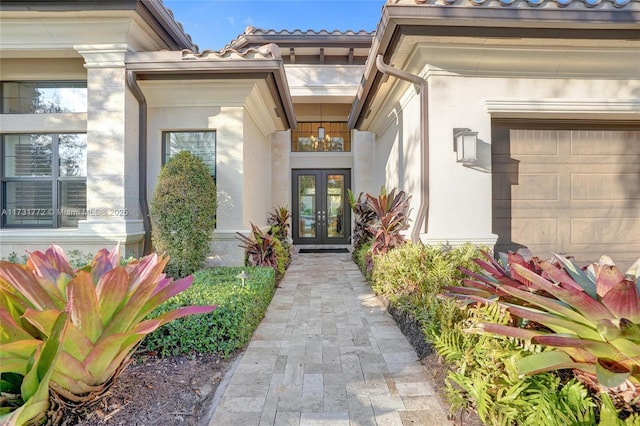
(572, 191)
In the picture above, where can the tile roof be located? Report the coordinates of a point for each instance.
(268, 51)
(253, 31)
(526, 3)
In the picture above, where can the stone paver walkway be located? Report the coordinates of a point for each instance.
(327, 353)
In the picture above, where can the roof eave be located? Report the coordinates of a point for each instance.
(398, 19)
(269, 70)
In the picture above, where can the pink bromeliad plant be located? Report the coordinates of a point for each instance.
(587, 319)
(69, 333)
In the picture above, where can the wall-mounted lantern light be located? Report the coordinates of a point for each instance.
(465, 145)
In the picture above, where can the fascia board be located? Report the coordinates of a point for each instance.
(399, 20)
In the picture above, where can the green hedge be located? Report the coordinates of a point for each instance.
(229, 327)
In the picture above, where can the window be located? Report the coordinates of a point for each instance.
(44, 180)
(43, 97)
(200, 144)
(308, 138)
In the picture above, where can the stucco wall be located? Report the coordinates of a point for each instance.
(257, 174)
(460, 201)
(397, 153)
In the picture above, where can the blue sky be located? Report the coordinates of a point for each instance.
(214, 23)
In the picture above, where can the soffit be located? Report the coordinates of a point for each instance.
(494, 38)
(262, 65)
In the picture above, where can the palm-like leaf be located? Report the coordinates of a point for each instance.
(106, 305)
(590, 316)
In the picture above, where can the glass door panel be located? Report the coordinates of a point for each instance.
(335, 206)
(307, 206)
(321, 214)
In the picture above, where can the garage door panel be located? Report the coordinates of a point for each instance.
(604, 143)
(568, 191)
(624, 230)
(605, 186)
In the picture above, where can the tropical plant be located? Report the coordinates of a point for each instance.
(183, 213)
(391, 218)
(279, 222)
(364, 217)
(262, 249)
(106, 305)
(27, 365)
(590, 318)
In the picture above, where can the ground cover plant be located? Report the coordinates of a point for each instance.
(68, 333)
(240, 308)
(585, 319)
(484, 370)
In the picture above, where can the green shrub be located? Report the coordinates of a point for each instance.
(410, 278)
(360, 257)
(183, 213)
(229, 327)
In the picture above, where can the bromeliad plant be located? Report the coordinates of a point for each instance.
(104, 306)
(391, 212)
(589, 319)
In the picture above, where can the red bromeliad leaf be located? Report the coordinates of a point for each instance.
(168, 291)
(548, 361)
(11, 330)
(42, 320)
(611, 373)
(599, 349)
(505, 330)
(552, 305)
(623, 300)
(150, 325)
(606, 278)
(19, 279)
(580, 300)
(559, 275)
(83, 305)
(50, 264)
(557, 323)
(578, 275)
(111, 290)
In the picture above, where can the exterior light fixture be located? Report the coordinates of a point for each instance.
(243, 276)
(465, 146)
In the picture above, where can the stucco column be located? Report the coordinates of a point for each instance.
(113, 206)
(362, 147)
(280, 169)
(460, 200)
(228, 123)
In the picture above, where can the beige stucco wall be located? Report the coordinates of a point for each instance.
(112, 162)
(257, 174)
(460, 202)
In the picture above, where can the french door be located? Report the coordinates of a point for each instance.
(321, 213)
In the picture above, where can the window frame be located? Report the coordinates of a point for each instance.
(344, 133)
(55, 179)
(65, 84)
(165, 134)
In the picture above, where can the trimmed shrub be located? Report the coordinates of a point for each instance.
(183, 213)
(410, 278)
(229, 327)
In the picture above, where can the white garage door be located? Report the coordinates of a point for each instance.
(575, 192)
